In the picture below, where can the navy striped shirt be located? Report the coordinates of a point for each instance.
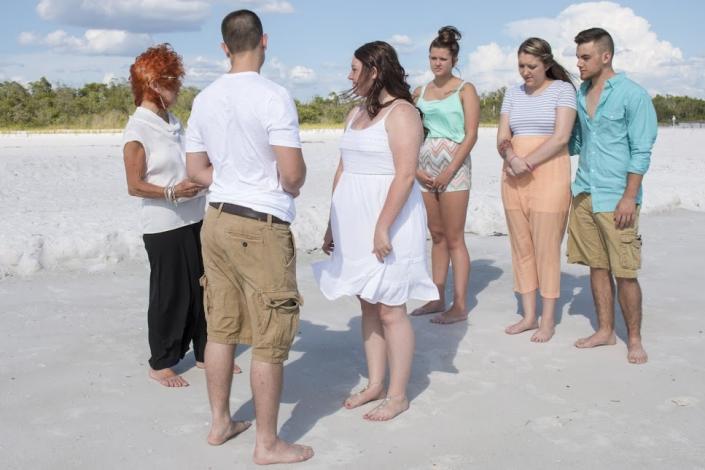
(536, 115)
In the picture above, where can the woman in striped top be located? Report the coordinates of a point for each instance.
(535, 126)
(451, 113)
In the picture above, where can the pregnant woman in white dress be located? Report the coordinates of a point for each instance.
(376, 235)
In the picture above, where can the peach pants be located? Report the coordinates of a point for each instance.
(536, 206)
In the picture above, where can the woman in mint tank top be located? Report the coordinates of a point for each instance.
(451, 113)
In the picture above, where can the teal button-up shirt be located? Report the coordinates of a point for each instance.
(616, 141)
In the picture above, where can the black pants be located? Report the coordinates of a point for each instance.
(175, 316)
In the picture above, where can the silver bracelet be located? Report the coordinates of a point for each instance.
(172, 195)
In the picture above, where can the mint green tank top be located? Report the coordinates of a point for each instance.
(443, 118)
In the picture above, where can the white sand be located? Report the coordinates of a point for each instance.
(64, 202)
(74, 391)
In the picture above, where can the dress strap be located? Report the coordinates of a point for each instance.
(462, 84)
(396, 103)
(423, 91)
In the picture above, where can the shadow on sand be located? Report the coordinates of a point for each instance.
(576, 299)
(332, 362)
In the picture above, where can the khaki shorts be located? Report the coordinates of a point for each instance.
(594, 241)
(251, 296)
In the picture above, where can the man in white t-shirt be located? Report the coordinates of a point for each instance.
(243, 142)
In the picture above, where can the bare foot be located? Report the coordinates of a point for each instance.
(236, 368)
(217, 437)
(388, 409)
(543, 334)
(282, 452)
(636, 353)
(434, 306)
(452, 315)
(168, 378)
(371, 392)
(521, 326)
(599, 338)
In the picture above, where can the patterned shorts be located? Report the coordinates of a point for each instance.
(436, 154)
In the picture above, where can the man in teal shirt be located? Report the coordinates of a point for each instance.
(615, 133)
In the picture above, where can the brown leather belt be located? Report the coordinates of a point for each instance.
(243, 211)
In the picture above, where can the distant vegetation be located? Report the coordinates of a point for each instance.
(684, 108)
(41, 105)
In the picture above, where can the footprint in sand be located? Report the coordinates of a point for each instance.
(684, 401)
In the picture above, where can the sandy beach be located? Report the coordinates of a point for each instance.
(74, 392)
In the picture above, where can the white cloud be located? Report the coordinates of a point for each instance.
(419, 78)
(290, 77)
(302, 75)
(150, 16)
(268, 6)
(403, 43)
(201, 71)
(400, 40)
(27, 38)
(491, 66)
(655, 63)
(93, 42)
(278, 7)
(109, 78)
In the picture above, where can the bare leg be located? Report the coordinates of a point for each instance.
(630, 301)
(236, 368)
(219, 378)
(168, 378)
(376, 355)
(440, 257)
(266, 381)
(547, 325)
(603, 296)
(454, 206)
(399, 336)
(528, 322)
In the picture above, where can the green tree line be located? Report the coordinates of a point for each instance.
(107, 106)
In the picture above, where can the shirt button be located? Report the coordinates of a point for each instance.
(244, 244)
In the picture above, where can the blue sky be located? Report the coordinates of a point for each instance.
(660, 44)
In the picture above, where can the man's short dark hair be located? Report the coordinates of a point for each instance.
(242, 31)
(599, 36)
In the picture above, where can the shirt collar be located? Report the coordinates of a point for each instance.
(616, 80)
(611, 82)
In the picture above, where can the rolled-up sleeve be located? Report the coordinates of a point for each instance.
(642, 126)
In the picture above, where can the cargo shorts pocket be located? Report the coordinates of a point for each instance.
(280, 320)
(630, 250)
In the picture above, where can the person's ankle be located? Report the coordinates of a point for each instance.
(267, 442)
(222, 421)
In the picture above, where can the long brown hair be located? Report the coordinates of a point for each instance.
(382, 57)
(541, 49)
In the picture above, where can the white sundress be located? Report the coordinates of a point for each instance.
(352, 269)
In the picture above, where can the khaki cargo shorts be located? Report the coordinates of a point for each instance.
(250, 291)
(594, 241)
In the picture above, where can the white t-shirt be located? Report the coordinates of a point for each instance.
(236, 120)
(166, 165)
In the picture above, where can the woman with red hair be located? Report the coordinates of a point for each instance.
(171, 213)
